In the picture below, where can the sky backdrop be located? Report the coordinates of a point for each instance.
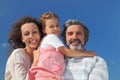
(102, 17)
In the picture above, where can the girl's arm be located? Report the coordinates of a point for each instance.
(54, 41)
(75, 53)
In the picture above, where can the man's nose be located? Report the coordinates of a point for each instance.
(75, 36)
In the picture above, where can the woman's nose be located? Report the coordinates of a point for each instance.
(31, 35)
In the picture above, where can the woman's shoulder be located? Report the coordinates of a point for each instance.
(18, 52)
(19, 55)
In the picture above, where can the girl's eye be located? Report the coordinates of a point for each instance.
(57, 25)
(51, 26)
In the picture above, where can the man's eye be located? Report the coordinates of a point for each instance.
(79, 33)
(70, 33)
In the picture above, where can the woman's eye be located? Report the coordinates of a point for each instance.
(26, 34)
(34, 31)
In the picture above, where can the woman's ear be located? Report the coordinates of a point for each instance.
(22, 40)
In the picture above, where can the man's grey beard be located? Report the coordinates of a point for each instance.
(79, 47)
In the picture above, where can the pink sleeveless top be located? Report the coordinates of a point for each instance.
(51, 64)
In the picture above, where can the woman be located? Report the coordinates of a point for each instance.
(24, 38)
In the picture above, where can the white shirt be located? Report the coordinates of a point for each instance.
(51, 40)
(17, 65)
(86, 68)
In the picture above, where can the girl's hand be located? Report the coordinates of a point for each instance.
(90, 53)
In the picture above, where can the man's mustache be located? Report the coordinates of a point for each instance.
(73, 40)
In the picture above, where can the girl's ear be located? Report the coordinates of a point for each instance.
(44, 30)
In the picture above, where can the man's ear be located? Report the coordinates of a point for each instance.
(86, 39)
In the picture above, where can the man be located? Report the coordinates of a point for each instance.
(75, 35)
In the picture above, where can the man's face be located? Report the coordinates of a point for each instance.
(75, 38)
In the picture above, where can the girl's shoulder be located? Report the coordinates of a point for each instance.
(50, 36)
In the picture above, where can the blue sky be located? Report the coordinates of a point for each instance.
(102, 17)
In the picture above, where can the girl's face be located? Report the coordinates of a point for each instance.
(52, 26)
(30, 35)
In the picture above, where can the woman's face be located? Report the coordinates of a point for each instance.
(30, 35)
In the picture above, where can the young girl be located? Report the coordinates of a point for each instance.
(51, 61)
